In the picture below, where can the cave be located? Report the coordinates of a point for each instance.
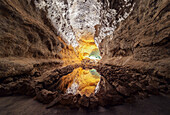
(84, 57)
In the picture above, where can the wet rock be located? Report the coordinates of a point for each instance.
(114, 89)
(45, 96)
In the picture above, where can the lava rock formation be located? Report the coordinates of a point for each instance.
(132, 36)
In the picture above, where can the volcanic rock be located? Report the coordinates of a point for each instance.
(27, 38)
(142, 40)
(38, 37)
(45, 96)
(123, 90)
(84, 101)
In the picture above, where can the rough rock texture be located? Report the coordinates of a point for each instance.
(30, 54)
(45, 96)
(142, 40)
(76, 18)
(117, 85)
(25, 33)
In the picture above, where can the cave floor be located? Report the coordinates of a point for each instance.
(118, 85)
(22, 105)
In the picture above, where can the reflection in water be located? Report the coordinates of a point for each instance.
(82, 81)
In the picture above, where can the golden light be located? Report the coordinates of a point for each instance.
(87, 49)
(68, 54)
(86, 46)
(80, 81)
(85, 79)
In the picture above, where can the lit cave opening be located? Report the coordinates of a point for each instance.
(83, 80)
(83, 54)
(95, 54)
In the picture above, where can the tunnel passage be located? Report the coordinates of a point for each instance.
(87, 48)
(51, 50)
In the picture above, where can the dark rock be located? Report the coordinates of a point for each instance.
(26, 88)
(152, 90)
(67, 99)
(131, 99)
(25, 37)
(115, 84)
(65, 70)
(139, 45)
(134, 88)
(37, 74)
(164, 88)
(142, 95)
(8, 80)
(123, 90)
(55, 101)
(84, 101)
(4, 91)
(109, 99)
(45, 96)
(93, 102)
(76, 98)
(142, 40)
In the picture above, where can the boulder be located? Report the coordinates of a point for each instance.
(45, 96)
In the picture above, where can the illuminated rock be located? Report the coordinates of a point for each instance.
(80, 81)
(74, 18)
(86, 46)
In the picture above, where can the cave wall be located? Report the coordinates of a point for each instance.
(26, 37)
(142, 40)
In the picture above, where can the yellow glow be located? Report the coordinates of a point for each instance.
(68, 55)
(86, 46)
(72, 56)
(85, 80)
